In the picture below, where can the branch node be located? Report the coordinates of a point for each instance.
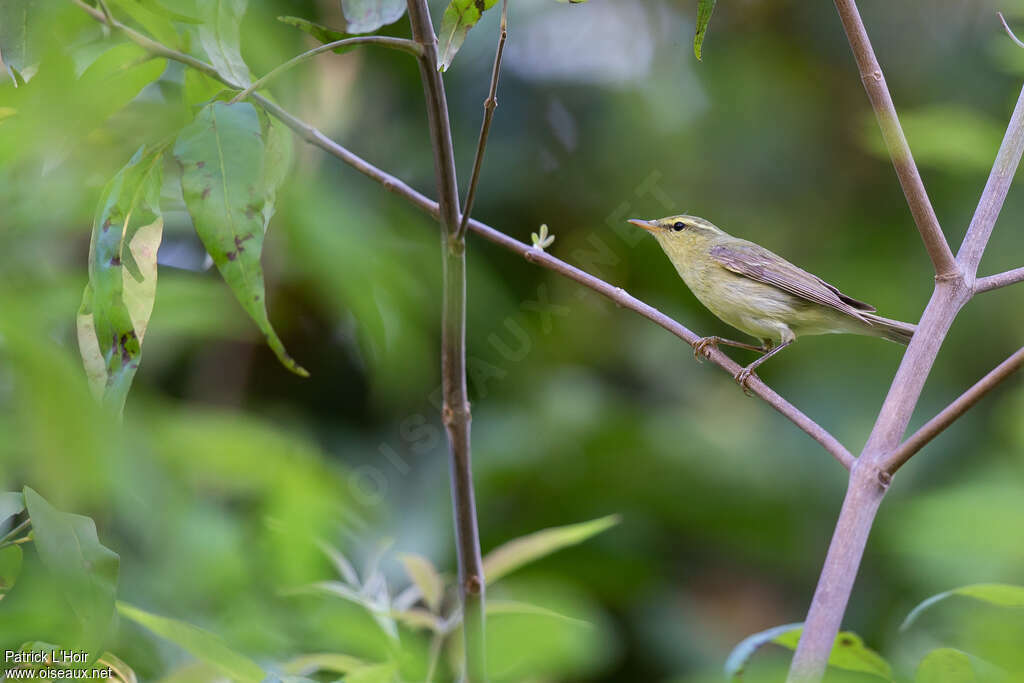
(884, 479)
(473, 584)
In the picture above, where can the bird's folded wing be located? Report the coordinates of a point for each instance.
(761, 265)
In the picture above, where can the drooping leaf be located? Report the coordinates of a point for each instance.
(229, 188)
(704, 10)
(85, 571)
(11, 503)
(511, 556)
(422, 573)
(219, 34)
(945, 665)
(118, 300)
(366, 16)
(848, 652)
(458, 18)
(14, 22)
(996, 594)
(202, 644)
(10, 567)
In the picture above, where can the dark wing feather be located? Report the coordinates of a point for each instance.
(759, 264)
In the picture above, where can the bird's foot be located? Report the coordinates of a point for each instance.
(742, 377)
(703, 346)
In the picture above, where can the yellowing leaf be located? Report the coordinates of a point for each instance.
(426, 578)
(512, 555)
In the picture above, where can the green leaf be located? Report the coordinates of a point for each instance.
(945, 665)
(113, 80)
(366, 16)
(154, 18)
(511, 556)
(304, 665)
(498, 607)
(202, 644)
(85, 570)
(14, 22)
(11, 503)
(372, 673)
(704, 10)
(997, 594)
(230, 167)
(120, 671)
(10, 567)
(426, 578)
(848, 652)
(459, 17)
(737, 660)
(219, 35)
(118, 300)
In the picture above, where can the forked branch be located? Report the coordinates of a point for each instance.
(953, 411)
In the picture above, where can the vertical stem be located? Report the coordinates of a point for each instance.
(455, 412)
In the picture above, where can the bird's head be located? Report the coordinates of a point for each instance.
(676, 233)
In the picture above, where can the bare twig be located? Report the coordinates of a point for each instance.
(1009, 31)
(400, 188)
(401, 44)
(455, 411)
(952, 412)
(1010, 277)
(992, 198)
(490, 104)
(896, 141)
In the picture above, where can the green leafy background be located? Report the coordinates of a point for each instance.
(228, 471)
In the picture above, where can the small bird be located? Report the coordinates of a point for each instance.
(759, 292)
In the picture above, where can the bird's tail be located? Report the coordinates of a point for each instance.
(893, 330)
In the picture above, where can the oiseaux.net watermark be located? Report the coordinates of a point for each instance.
(52, 665)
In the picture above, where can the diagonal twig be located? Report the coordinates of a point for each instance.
(490, 104)
(954, 410)
(396, 186)
(896, 141)
(401, 44)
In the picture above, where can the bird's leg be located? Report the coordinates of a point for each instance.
(700, 347)
(743, 376)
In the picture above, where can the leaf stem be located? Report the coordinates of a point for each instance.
(401, 44)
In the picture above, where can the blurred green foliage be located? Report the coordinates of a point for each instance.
(228, 473)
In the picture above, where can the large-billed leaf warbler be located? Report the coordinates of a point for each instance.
(759, 292)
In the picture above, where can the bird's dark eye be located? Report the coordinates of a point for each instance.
(678, 226)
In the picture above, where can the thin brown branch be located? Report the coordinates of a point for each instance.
(896, 141)
(401, 44)
(395, 185)
(994, 194)
(1009, 31)
(952, 412)
(455, 410)
(1010, 277)
(490, 104)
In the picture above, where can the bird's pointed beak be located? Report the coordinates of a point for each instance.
(646, 225)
